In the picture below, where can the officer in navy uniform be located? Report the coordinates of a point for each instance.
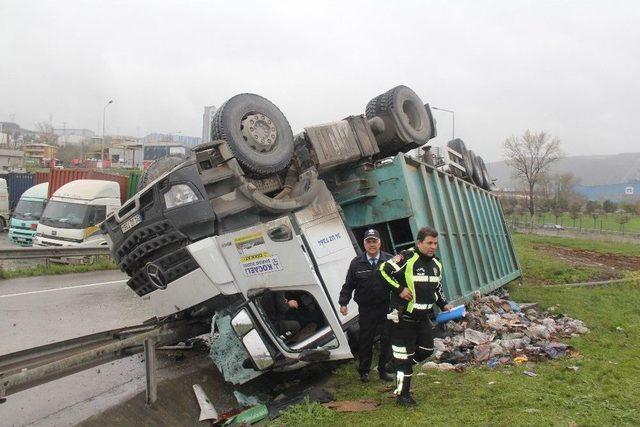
(372, 295)
(415, 278)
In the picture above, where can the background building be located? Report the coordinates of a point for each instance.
(626, 192)
(39, 153)
(11, 160)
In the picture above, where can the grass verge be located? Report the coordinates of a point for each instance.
(41, 270)
(602, 392)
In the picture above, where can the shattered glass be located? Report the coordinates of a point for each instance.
(228, 353)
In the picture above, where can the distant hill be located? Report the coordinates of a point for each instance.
(592, 170)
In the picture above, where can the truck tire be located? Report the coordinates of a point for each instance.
(459, 146)
(158, 168)
(406, 121)
(485, 174)
(477, 173)
(257, 133)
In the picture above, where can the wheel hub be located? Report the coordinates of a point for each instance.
(259, 131)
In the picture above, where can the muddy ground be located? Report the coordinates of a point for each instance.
(611, 266)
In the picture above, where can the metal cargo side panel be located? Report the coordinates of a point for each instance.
(18, 183)
(42, 177)
(60, 177)
(134, 179)
(474, 244)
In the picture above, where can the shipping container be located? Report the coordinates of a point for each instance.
(134, 179)
(59, 177)
(400, 196)
(17, 183)
(41, 177)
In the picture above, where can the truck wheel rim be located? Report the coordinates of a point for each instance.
(259, 132)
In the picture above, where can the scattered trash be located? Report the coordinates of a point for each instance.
(520, 360)
(248, 416)
(436, 382)
(498, 331)
(491, 383)
(573, 368)
(207, 410)
(352, 405)
(244, 400)
(530, 374)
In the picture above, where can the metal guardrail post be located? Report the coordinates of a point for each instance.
(150, 370)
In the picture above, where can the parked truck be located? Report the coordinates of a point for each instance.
(26, 215)
(74, 212)
(258, 211)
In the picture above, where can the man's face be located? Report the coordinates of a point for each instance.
(428, 246)
(372, 246)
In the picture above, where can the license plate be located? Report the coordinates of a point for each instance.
(131, 222)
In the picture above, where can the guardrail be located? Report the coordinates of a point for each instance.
(53, 252)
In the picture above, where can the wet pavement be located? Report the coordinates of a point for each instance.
(39, 310)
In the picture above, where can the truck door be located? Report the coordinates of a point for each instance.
(271, 261)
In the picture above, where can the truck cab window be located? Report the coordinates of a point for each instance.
(296, 318)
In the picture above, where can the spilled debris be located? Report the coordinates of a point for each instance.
(362, 405)
(497, 331)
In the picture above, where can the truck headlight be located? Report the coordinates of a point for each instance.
(179, 195)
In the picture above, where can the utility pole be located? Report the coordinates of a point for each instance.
(104, 114)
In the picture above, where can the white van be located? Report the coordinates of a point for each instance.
(74, 211)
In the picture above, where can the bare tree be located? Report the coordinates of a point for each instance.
(530, 156)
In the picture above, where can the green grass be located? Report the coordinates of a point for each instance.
(41, 270)
(605, 222)
(602, 392)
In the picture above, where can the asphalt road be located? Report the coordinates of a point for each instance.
(39, 310)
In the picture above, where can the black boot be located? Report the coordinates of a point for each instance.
(405, 398)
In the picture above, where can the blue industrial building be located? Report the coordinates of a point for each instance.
(626, 192)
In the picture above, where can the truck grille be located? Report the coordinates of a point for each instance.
(173, 266)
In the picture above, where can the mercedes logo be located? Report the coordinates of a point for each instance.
(156, 276)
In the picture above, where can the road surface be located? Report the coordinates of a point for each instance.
(41, 310)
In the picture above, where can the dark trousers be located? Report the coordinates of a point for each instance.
(373, 320)
(411, 342)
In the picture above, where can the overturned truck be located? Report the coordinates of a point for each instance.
(257, 212)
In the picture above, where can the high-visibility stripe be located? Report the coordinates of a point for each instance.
(439, 264)
(427, 279)
(408, 277)
(395, 266)
(425, 348)
(386, 277)
(397, 348)
(422, 306)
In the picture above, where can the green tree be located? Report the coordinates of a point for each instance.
(575, 212)
(609, 206)
(530, 156)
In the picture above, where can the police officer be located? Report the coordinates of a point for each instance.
(372, 295)
(415, 276)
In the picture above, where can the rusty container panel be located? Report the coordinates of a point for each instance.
(60, 177)
(42, 177)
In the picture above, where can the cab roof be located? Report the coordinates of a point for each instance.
(88, 189)
(37, 191)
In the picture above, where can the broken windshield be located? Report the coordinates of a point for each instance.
(29, 210)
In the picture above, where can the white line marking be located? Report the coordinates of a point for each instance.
(113, 282)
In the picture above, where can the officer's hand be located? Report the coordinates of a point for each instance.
(344, 310)
(292, 303)
(406, 294)
(448, 307)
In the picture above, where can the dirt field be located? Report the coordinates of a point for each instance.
(611, 265)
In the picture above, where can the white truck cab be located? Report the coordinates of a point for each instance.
(74, 212)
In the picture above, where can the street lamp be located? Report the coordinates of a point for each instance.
(453, 120)
(104, 113)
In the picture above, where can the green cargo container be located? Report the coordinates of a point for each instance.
(134, 178)
(401, 195)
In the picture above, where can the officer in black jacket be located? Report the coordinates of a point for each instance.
(415, 277)
(372, 295)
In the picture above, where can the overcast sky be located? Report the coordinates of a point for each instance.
(570, 68)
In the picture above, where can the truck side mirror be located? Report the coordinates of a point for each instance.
(242, 323)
